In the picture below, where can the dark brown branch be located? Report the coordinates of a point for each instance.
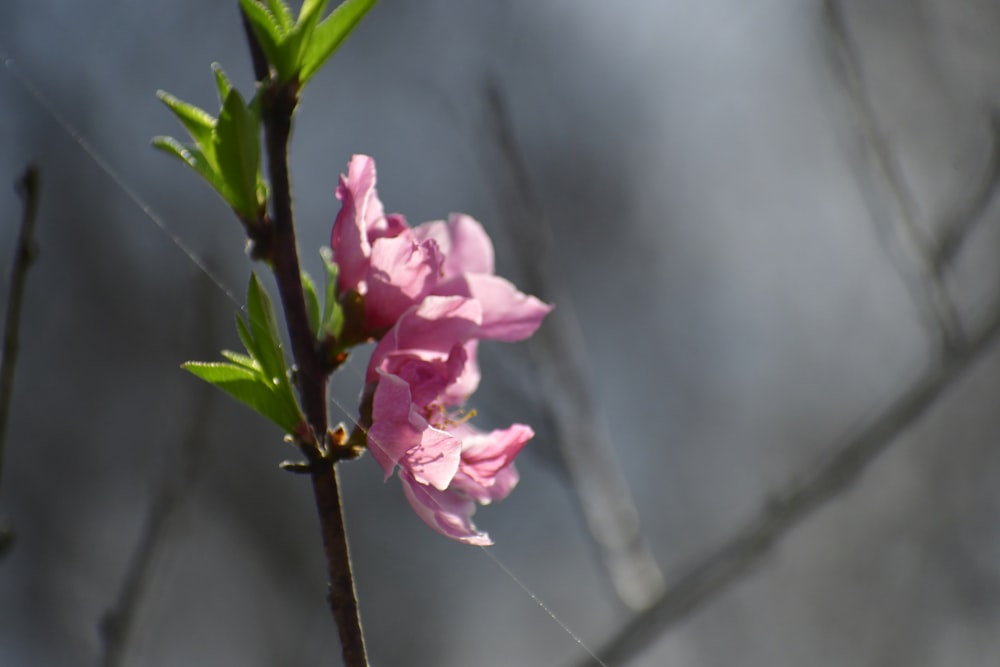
(275, 243)
(116, 625)
(27, 187)
(560, 353)
(715, 573)
(261, 70)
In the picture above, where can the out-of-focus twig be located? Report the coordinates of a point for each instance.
(710, 576)
(27, 187)
(957, 227)
(560, 356)
(178, 480)
(929, 288)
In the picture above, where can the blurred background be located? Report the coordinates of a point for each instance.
(771, 235)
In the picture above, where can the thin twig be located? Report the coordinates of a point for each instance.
(958, 227)
(275, 243)
(27, 187)
(117, 623)
(602, 493)
(931, 290)
(715, 573)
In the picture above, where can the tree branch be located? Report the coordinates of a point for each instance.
(116, 625)
(275, 243)
(930, 290)
(713, 574)
(27, 187)
(560, 356)
(956, 229)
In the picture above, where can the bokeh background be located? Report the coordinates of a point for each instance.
(739, 209)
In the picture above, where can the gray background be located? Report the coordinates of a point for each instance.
(746, 289)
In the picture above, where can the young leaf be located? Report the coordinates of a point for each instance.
(311, 9)
(237, 149)
(333, 312)
(329, 35)
(283, 13)
(312, 302)
(198, 122)
(222, 82)
(299, 37)
(265, 332)
(248, 342)
(249, 388)
(195, 158)
(266, 27)
(242, 360)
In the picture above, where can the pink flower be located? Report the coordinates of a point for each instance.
(467, 270)
(485, 473)
(411, 370)
(446, 465)
(430, 295)
(377, 255)
(394, 267)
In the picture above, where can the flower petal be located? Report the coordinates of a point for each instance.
(391, 434)
(466, 246)
(402, 272)
(487, 472)
(446, 512)
(429, 330)
(349, 238)
(508, 314)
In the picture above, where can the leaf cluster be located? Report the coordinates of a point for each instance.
(226, 150)
(259, 378)
(297, 48)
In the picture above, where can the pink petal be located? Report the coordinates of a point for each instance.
(426, 378)
(446, 512)
(466, 380)
(349, 238)
(464, 243)
(435, 460)
(391, 434)
(429, 330)
(487, 471)
(508, 314)
(402, 272)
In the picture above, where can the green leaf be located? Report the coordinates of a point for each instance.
(266, 27)
(329, 35)
(198, 122)
(298, 38)
(243, 360)
(311, 9)
(249, 388)
(333, 312)
(237, 149)
(195, 158)
(247, 339)
(312, 302)
(222, 82)
(265, 332)
(283, 13)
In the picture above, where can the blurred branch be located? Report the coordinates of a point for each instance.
(27, 187)
(930, 288)
(710, 576)
(178, 480)
(560, 356)
(957, 228)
